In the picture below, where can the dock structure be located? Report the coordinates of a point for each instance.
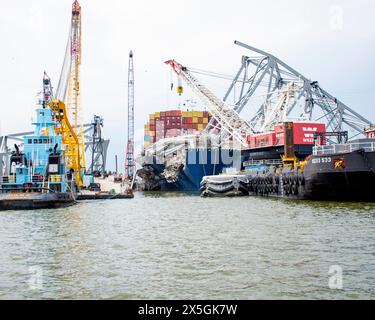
(109, 190)
(104, 196)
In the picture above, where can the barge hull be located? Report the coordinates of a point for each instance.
(31, 201)
(348, 176)
(335, 177)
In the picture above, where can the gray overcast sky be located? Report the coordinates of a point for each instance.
(197, 33)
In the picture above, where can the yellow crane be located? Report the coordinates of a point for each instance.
(69, 139)
(67, 105)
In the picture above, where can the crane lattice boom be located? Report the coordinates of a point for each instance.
(129, 157)
(67, 105)
(228, 120)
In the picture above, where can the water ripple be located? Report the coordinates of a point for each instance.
(160, 246)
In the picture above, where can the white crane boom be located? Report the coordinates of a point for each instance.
(226, 117)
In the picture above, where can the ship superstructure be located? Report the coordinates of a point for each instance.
(40, 165)
(38, 176)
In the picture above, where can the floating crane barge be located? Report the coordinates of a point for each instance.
(50, 170)
(39, 177)
(343, 171)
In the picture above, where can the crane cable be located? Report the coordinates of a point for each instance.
(171, 78)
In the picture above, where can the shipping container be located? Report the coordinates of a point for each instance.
(304, 132)
(173, 133)
(173, 123)
(187, 114)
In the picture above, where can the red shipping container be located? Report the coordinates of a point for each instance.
(172, 126)
(304, 132)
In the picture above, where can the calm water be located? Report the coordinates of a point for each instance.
(185, 247)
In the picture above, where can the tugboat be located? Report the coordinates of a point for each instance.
(37, 177)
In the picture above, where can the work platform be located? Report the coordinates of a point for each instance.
(110, 190)
(100, 196)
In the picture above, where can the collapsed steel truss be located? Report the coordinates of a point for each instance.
(267, 76)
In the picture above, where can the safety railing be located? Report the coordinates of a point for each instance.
(271, 162)
(343, 148)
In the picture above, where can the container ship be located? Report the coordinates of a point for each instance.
(174, 157)
(177, 160)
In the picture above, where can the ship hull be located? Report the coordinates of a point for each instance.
(32, 201)
(199, 163)
(336, 177)
(353, 180)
